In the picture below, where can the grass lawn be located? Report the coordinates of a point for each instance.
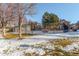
(62, 42)
(10, 35)
(59, 44)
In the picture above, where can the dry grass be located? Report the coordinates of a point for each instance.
(10, 36)
(62, 42)
(59, 44)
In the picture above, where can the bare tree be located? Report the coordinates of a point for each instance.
(2, 17)
(17, 11)
(21, 11)
(6, 14)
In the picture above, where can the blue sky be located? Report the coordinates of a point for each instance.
(66, 11)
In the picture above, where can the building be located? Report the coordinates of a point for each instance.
(35, 25)
(63, 22)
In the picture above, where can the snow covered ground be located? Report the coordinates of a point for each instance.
(14, 47)
(68, 34)
(29, 47)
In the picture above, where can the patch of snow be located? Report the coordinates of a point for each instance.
(40, 51)
(17, 53)
(12, 47)
(68, 34)
(45, 37)
(71, 47)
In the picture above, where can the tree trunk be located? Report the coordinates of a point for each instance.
(20, 33)
(4, 32)
(3, 27)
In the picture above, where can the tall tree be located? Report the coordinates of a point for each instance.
(21, 11)
(15, 11)
(5, 15)
(50, 20)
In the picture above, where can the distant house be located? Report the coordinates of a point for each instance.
(67, 23)
(74, 27)
(25, 28)
(35, 25)
(14, 27)
(77, 24)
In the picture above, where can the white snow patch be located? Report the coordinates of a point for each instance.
(45, 37)
(12, 47)
(72, 46)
